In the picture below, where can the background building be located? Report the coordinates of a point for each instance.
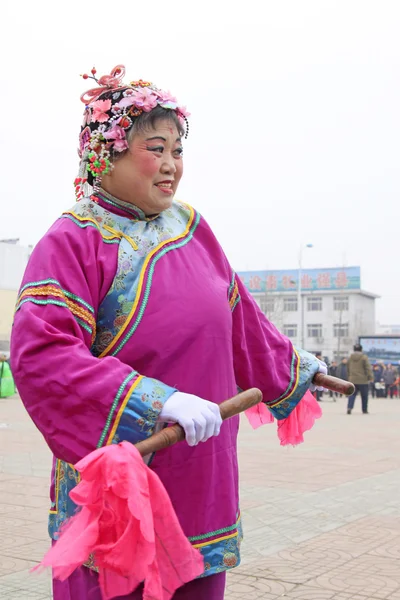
(387, 329)
(13, 260)
(327, 313)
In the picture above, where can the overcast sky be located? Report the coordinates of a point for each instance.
(295, 127)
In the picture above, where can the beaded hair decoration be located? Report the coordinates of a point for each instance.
(110, 112)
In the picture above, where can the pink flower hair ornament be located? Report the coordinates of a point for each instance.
(110, 112)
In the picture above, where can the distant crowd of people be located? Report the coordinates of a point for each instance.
(378, 379)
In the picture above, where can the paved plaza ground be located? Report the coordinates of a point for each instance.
(321, 521)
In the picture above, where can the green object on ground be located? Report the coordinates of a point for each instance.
(7, 386)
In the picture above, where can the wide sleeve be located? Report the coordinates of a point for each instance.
(265, 358)
(78, 401)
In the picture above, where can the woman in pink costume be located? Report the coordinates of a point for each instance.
(130, 315)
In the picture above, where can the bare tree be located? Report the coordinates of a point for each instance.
(272, 306)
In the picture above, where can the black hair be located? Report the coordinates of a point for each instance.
(357, 348)
(148, 120)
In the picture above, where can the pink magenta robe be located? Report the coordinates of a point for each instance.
(115, 313)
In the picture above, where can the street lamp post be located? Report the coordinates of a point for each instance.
(340, 313)
(299, 296)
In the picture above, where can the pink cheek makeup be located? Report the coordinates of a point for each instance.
(147, 163)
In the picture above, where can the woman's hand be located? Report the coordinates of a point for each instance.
(322, 369)
(199, 418)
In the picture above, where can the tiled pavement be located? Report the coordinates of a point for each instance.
(321, 521)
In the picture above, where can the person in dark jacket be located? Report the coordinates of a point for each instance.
(342, 369)
(375, 385)
(333, 370)
(389, 377)
(359, 372)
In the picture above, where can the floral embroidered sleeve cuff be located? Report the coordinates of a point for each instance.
(134, 413)
(305, 366)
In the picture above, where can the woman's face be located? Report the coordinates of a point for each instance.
(149, 173)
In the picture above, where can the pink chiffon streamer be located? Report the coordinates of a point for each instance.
(259, 415)
(291, 429)
(127, 522)
(300, 420)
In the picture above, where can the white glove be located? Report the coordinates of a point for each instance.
(199, 418)
(322, 369)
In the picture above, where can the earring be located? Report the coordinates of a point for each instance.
(96, 189)
(79, 189)
(99, 163)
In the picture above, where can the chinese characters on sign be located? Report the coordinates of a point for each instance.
(255, 283)
(306, 282)
(323, 281)
(341, 280)
(288, 283)
(312, 279)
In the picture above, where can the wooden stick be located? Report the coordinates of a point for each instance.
(171, 435)
(334, 384)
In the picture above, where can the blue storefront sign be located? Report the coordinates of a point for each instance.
(382, 349)
(348, 278)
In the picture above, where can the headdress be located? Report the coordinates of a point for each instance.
(110, 112)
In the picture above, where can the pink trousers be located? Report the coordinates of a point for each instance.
(83, 585)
